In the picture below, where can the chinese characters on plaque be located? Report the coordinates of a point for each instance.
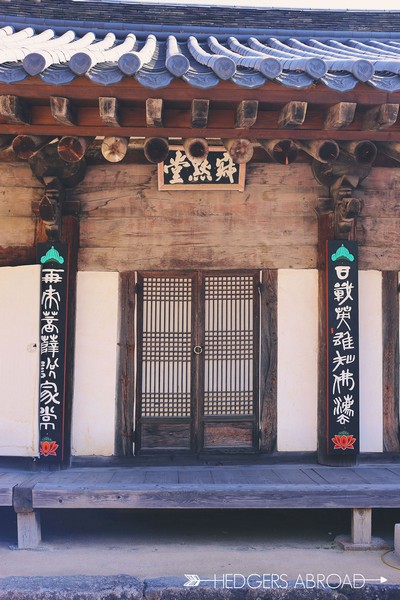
(216, 171)
(342, 348)
(53, 313)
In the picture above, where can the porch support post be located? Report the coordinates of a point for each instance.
(126, 382)
(326, 231)
(390, 364)
(268, 360)
(361, 525)
(28, 530)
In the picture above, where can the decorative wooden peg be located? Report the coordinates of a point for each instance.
(240, 150)
(156, 149)
(322, 150)
(199, 113)
(283, 152)
(109, 111)
(63, 110)
(364, 152)
(114, 148)
(246, 114)
(154, 107)
(292, 115)
(14, 110)
(340, 115)
(72, 148)
(196, 149)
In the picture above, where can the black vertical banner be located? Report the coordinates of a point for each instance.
(53, 258)
(342, 348)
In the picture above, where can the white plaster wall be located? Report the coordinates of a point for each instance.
(297, 359)
(370, 336)
(19, 360)
(96, 351)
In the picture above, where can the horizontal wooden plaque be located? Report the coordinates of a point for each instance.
(217, 171)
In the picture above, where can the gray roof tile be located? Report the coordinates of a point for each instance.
(156, 43)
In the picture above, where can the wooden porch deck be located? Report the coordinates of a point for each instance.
(359, 488)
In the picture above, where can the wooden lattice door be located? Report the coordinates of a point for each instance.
(197, 362)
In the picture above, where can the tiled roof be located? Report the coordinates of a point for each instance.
(156, 44)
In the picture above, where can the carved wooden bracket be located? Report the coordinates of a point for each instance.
(342, 177)
(50, 209)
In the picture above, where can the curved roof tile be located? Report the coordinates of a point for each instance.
(155, 51)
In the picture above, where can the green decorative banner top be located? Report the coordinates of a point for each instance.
(52, 255)
(342, 253)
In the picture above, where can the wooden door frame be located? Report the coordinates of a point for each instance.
(126, 392)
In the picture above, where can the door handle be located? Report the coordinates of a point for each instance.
(197, 349)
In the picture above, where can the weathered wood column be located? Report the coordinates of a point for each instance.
(390, 360)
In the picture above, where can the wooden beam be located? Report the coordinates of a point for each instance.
(14, 110)
(246, 114)
(109, 111)
(126, 379)
(292, 115)
(196, 149)
(154, 108)
(114, 148)
(25, 146)
(240, 150)
(72, 148)
(63, 110)
(199, 113)
(380, 117)
(390, 360)
(340, 115)
(268, 360)
(322, 150)
(156, 149)
(13, 256)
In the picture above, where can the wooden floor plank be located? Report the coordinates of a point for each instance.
(128, 476)
(378, 475)
(167, 476)
(195, 476)
(264, 475)
(294, 476)
(340, 475)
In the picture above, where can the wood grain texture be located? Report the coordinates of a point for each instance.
(390, 360)
(268, 360)
(126, 371)
(70, 235)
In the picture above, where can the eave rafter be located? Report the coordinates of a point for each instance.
(227, 112)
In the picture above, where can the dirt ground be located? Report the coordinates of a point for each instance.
(208, 544)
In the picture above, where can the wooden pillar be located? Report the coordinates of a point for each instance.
(326, 231)
(70, 235)
(361, 526)
(268, 360)
(126, 383)
(28, 530)
(390, 332)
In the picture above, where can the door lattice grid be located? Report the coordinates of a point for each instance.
(166, 347)
(229, 346)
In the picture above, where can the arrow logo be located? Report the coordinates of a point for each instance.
(380, 580)
(192, 580)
